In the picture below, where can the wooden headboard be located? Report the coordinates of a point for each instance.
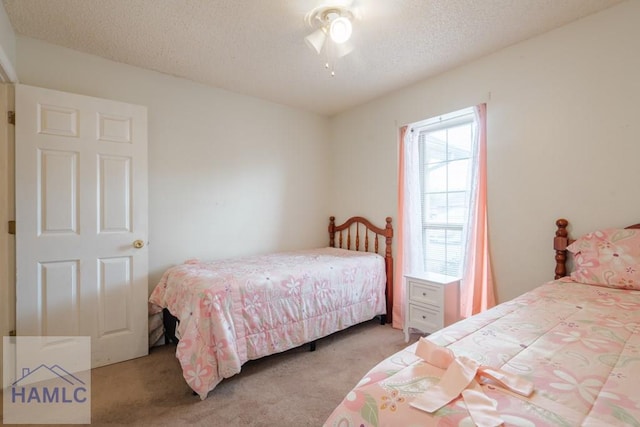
(357, 229)
(560, 243)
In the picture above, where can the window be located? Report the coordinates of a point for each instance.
(446, 149)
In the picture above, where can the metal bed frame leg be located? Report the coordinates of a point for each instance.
(169, 322)
(312, 346)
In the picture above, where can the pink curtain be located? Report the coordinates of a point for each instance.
(476, 287)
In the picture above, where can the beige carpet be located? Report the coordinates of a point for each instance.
(294, 388)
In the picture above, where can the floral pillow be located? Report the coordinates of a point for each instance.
(609, 257)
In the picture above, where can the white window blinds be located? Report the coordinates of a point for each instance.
(446, 147)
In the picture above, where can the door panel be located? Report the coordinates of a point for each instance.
(81, 202)
(57, 192)
(58, 298)
(114, 194)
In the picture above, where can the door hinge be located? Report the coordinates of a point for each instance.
(12, 117)
(12, 333)
(12, 227)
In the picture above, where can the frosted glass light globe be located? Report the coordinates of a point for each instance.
(340, 30)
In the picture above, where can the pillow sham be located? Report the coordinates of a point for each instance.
(609, 257)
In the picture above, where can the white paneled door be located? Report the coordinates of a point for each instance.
(81, 221)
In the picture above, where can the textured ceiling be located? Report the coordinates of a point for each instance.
(256, 47)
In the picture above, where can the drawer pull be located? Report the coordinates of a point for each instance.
(424, 317)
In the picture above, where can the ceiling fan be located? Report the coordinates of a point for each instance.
(332, 28)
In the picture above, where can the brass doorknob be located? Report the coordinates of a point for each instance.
(138, 244)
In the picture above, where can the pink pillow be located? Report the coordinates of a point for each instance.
(609, 257)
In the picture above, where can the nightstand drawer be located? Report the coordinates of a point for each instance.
(425, 293)
(427, 319)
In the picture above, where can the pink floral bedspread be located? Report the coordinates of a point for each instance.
(578, 344)
(236, 310)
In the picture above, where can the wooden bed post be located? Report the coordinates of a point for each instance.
(389, 267)
(560, 243)
(332, 231)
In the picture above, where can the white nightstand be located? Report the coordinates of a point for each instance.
(432, 302)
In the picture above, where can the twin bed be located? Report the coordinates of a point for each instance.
(566, 353)
(235, 310)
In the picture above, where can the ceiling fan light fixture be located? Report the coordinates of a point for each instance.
(340, 29)
(342, 49)
(316, 39)
(331, 30)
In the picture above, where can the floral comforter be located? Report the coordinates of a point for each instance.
(236, 310)
(578, 344)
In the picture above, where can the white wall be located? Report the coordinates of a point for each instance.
(228, 174)
(563, 139)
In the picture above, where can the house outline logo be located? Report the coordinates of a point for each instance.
(73, 390)
(26, 372)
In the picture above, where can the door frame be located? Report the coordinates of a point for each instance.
(7, 199)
